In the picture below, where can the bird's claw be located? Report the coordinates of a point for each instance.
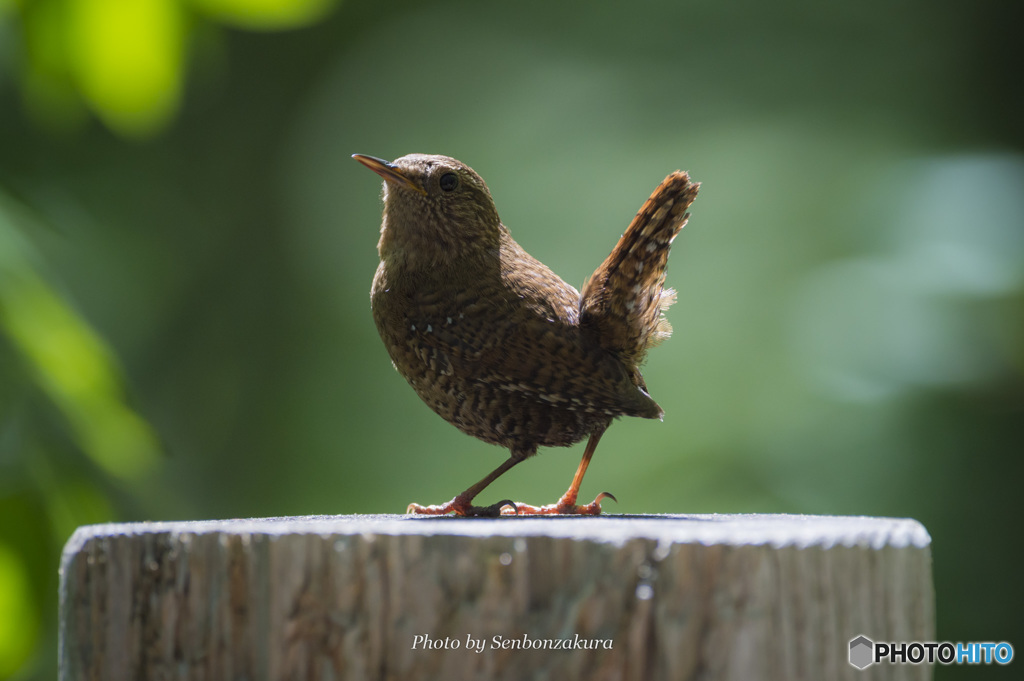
(462, 508)
(440, 509)
(594, 507)
(502, 504)
(564, 506)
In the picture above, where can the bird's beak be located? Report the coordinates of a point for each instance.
(389, 172)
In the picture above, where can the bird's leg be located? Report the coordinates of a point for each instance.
(567, 504)
(463, 504)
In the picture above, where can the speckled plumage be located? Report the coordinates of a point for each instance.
(494, 341)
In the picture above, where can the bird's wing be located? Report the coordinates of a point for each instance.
(519, 334)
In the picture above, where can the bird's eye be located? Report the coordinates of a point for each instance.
(449, 182)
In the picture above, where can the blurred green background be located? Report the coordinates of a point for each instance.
(186, 252)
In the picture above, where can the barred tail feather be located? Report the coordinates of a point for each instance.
(624, 301)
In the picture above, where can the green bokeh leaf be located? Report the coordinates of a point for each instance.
(72, 364)
(128, 58)
(265, 14)
(19, 625)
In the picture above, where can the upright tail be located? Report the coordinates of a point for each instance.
(623, 301)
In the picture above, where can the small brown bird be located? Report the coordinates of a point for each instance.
(495, 342)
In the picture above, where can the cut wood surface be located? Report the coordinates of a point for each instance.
(399, 597)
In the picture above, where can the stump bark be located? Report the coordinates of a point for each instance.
(395, 597)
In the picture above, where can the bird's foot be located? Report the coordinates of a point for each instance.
(462, 507)
(564, 506)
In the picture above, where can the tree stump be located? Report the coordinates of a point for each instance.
(399, 597)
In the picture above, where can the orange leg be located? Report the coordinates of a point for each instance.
(567, 504)
(463, 504)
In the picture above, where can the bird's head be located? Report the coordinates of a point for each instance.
(435, 209)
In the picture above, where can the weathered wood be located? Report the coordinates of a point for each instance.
(653, 597)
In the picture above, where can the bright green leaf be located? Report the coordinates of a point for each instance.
(47, 86)
(72, 364)
(19, 626)
(266, 14)
(128, 57)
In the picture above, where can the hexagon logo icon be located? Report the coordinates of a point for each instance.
(862, 651)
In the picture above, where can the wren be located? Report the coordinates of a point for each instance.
(494, 341)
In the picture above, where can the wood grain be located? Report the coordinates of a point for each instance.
(345, 597)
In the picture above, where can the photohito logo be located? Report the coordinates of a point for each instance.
(861, 652)
(864, 652)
